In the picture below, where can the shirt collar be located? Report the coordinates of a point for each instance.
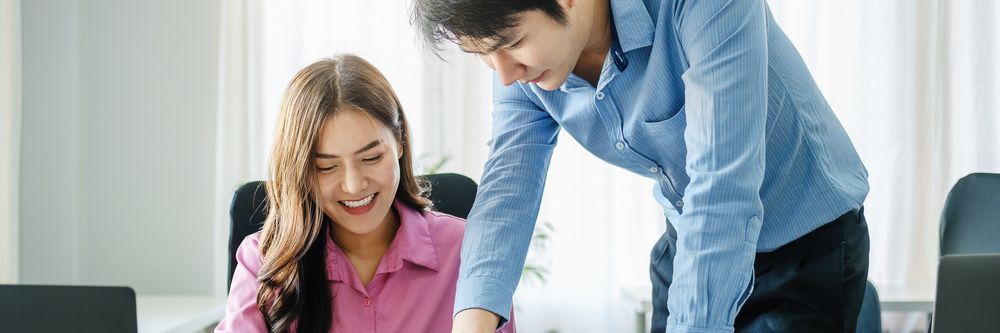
(412, 243)
(633, 23)
(413, 240)
(633, 29)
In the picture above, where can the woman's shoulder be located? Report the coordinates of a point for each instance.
(251, 241)
(248, 253)
(439, 216)
(444, 224)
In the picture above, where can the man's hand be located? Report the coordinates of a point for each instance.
(475, 321)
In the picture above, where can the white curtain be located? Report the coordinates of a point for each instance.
(10, 134)
(447, 102)
(297, 33)
(238, 118)
(917, 85)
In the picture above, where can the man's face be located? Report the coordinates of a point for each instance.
(539, 50)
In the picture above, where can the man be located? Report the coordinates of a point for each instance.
(760, 184)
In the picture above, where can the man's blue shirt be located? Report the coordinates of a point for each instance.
(711, 101)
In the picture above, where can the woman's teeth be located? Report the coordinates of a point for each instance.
(360, 203)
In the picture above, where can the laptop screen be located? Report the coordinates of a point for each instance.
(36, 308)
(968, 294)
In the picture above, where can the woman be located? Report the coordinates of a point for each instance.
(348, 244)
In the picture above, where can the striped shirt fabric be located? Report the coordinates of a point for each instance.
(710, 100)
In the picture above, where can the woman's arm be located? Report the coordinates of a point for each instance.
(242, 314)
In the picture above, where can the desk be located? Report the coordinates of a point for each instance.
(640, 300)
(902, 301)
(178, 314)
(913, 305)
(898, 300)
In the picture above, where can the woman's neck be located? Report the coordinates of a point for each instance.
(371, 246)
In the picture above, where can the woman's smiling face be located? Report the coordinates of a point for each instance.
(357, 172)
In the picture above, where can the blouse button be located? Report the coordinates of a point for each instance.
(368, 301)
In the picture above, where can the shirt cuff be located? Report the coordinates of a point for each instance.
(484, 293)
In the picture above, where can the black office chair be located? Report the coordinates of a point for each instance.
(451, 194)
(970, 222)
(870, 317)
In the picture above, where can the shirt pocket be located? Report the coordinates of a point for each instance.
(672, 126)
(664, 139)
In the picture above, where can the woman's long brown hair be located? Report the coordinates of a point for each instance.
(293, 281)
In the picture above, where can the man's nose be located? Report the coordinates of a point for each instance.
(507, 68)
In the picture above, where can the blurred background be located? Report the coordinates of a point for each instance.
(126, 125)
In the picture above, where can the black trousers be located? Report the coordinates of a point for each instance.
(813, 284)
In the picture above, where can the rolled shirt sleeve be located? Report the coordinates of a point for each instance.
(503, 217)
(725, 95)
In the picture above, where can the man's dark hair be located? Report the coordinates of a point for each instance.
(483, 20)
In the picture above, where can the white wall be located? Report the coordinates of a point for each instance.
(118, 144)
(50, 175)
(10, 123)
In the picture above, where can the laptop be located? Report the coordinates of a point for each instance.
(84, 309)
(968, 294)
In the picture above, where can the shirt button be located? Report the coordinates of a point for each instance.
(620, 145)
(368, 301)
(679, 203)
(653, 169)
(600, 95)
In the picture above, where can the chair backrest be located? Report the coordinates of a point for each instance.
(451, 194)
(246, 216)
(37, 308)
(970, 221)
(870, 317)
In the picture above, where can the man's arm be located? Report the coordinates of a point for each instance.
(725, 43)
(502, 220)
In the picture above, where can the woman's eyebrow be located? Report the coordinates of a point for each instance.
(370, 145)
